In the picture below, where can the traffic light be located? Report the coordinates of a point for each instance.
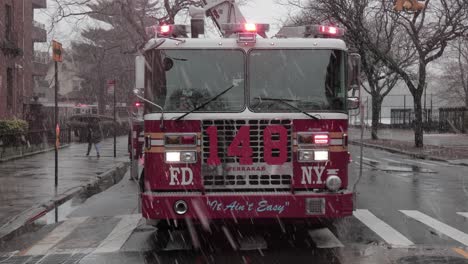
(409, 5)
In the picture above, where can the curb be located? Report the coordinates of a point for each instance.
(25, 221)
(411, 154)
(32, 153)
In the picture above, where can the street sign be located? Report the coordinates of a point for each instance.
(110, 86)
(57, 51)
(57, 139)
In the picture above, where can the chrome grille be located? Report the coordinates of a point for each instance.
(247, 181)
(274, 177)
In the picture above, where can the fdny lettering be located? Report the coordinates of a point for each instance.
(181, 176)
(314, 174)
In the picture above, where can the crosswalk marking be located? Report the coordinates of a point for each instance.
(59, 233)
(324, 238)
(438, 226)
(119, 235)
(464, 214)
(386, 232)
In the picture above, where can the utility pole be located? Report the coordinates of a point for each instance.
(111, 89)
(57, 57)
(115, 127)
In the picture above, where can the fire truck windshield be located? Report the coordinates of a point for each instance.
(183, 80)
(310, 80)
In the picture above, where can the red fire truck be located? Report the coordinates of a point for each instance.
(244, 126)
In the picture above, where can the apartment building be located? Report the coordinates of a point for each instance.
(20, 65)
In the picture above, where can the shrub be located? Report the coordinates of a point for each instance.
(13, 127)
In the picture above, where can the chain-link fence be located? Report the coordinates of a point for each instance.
(398, 111)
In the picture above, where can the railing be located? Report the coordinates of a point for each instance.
(453, 119)
(14, 145)
(38, 25)
(41, 57)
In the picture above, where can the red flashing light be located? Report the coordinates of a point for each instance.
(250, 27)
(137, 104)
(164, 29)
(328, 30)
(320, 139)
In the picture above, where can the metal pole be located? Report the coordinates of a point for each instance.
(115, 125)
(56, 123)
(367, 110)
(404, 109)
(56, 135)
(425, 95)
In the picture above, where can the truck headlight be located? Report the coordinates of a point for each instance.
(306, 155)
(321, 155)
(333, 183)
(181, 156)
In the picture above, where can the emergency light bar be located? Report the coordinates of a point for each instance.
(325, 31)
(246, 27)
(310, 31)
(168, 30)
(246, 32)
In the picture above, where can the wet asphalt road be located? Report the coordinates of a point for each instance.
(410, 211)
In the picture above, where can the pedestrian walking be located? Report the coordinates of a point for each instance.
(93, 137)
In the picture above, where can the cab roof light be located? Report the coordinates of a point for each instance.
(245, 27)
(328, 30)
(250, 27)
(164, 29)
(324, 31)
(167, 30)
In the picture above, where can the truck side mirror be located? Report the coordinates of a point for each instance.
(354, 71)
(140, 72)
(353, 103)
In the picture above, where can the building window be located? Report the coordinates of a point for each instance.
(9, 87)
(8, 22)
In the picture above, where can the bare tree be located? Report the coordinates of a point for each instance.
(430, 32)
(455, 76)
(358, 16)
(427, 32)
(118, 31)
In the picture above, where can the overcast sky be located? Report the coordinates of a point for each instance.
(261, 11)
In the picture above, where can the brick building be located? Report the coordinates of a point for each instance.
(19, 66)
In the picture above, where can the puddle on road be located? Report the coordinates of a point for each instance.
(62, 211)
(398, 167)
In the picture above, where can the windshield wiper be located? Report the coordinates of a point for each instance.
(205, 103)
(285, 102)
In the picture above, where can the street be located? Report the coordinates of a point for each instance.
(408, 211)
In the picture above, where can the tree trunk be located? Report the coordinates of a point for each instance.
(418, 120)
(376, 107)
(466, 99)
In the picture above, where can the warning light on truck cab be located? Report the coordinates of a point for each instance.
(250, 27)
(164, 29)
(320, 139)
(322, 31)
(328, 30)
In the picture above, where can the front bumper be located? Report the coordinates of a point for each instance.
(248, 205)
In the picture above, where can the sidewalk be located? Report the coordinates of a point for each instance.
(29, 181)
(452, 148)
